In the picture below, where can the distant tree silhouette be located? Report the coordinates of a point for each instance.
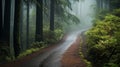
(39, 21)
(16, 27)
(52, 15)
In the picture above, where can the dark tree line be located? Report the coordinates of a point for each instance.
(15, 22)
(52, 15)
(39, 21)
(11, 16)
(103, 4)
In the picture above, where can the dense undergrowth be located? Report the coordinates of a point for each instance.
(82, 51)
(103, 41)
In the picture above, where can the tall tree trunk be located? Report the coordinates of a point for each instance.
(108, 4)
(1, 19)
(6, 32)
(39, 21)
(27, 33)
(11, 28)
(21, 27)
(52, 15)
(16, 27)
(98, 3)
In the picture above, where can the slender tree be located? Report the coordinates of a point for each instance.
(39, 21)
(11, 28)
(16, 27)
(21, 27)
(27, 33)
(6, 28)
(1, 19)
(52, 15)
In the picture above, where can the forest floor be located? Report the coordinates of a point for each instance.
(70, 58)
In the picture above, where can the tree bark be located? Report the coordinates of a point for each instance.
(21, 27)
(39, 21)
(27, 33)
(1, 20)
(6, 29)
(11, 28)
(52, 15)
(16, 27)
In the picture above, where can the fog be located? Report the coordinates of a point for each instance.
(85, 11)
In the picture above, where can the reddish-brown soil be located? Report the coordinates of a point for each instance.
(71, 57)
(18, 62)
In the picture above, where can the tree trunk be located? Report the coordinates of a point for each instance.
(16, 27)
(1, 19)
(39, 21)
(52, 15)
(6, 28)
(11, 28)
(27, 33)
(21, 27)
(108, 4)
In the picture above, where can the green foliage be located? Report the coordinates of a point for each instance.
(34, 47)
(27, 52)
(88, 64)
(103, 42)
(115, 4)
(62, 13)
(4, 53)
(52, 36)
(111, 65)
(38, 45)
(116, 12)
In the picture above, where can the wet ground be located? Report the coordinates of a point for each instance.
(51, 57)
(71, 58)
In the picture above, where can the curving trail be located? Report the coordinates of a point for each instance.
(71, 57)
(50, 57)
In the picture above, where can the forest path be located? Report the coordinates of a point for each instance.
(71, 58)
(50, 57)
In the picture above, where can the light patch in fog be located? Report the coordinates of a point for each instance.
(85, 11)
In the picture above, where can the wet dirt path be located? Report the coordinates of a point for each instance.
(50, 57)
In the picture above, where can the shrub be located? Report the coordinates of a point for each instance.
(103, 42)
(27, 52)
(52, 36)
(38, 45)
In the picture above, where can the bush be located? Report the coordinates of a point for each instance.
(52, 36)
(27, 52)
(38, 45)
(103, 42)
(34, 47)
(4, 53)
(111, 65)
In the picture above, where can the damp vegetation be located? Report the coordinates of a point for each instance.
(103, 39)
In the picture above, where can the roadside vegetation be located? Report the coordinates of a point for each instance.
(103, 39)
